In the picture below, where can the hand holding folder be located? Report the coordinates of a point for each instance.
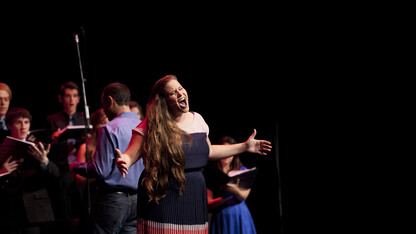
(19, 149)
(215, 178)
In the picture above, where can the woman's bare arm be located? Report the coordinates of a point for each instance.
(251, 146)
(131, 155)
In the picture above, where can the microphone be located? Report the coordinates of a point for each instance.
(87, 114)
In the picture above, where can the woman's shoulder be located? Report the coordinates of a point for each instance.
(141, 127)
(199, 124)
(198, 117)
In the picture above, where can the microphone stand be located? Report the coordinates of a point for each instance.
(87, 121)
(279, 181)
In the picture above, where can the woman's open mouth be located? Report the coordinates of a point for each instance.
(183, 103)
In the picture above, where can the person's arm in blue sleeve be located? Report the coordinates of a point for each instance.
(103, 159)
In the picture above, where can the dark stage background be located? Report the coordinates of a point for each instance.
(241, 70)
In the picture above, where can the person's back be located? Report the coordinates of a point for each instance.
(116, 196)
(116, 204)
(115, 134)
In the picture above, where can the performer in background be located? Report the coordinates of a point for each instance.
(64, 192)
(116, 203)
(174, 145)
(230, 213)
(98, 119)
(136, 107)
(25, 204)
(5, 98)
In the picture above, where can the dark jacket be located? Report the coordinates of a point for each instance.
(24, 199)
(61, 186)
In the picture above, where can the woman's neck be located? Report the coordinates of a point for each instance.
(183, 119)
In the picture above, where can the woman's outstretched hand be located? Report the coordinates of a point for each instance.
(122, 161)
(257, 146)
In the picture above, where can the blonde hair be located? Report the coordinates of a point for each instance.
(162, 150)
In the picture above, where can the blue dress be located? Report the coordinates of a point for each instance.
(232, 218)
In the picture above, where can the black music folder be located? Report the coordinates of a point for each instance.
(73, 131)
(18, 149)
(43, 135)
(70, 131)
(215, 178)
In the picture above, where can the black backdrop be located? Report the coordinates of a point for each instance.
(242, 68)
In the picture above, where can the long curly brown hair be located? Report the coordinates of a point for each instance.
(162, 150)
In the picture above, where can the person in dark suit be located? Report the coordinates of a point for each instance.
(5, 98)
(69, 97)
(65, 193)
(25, 203)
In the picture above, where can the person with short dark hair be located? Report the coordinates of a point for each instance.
(66, 198)
(116, 202)
(25, 202)
(69, 97)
